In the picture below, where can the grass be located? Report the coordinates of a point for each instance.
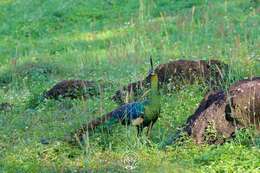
(43, 42)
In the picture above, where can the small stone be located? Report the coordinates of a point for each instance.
(44, 141)
(6, 107)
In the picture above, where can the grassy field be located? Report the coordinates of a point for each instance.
(45, 41)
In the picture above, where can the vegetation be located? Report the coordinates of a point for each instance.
(45, 41)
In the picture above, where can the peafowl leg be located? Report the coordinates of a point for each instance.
(149, 128)
(139, 130)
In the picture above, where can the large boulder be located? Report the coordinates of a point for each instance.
(244, 101)
(73, 89)
(175, 75)
(221, 113)
(209, 123)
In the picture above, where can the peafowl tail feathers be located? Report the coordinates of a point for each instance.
(106, 121)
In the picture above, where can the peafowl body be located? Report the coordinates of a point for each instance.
(140, 114)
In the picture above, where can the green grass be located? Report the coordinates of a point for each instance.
(45, 41)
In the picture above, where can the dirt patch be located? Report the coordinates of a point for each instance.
(175, 75)
(5, 107)
(73, 89)
(220, 113)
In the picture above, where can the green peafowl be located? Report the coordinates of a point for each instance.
(140, 114)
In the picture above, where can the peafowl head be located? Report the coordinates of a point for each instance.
(154, 77)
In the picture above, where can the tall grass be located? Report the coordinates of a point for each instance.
(110, 41)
